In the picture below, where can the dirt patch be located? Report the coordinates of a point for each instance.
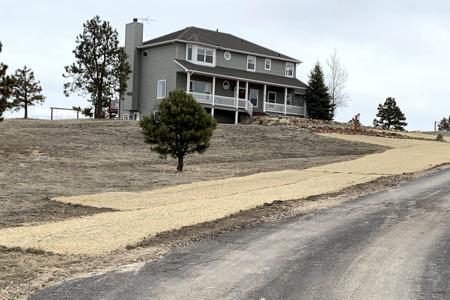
(40, 160)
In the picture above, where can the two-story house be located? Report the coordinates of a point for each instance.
(231, 77)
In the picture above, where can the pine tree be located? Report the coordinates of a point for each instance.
(181, 127)
(444, 125)
(27, 91)
(101, 69)
(317, 96)
(390, 116)
(6, 84)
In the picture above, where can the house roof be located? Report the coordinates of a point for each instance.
(217, 39)
(242, 74)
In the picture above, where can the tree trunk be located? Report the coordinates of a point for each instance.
(26, 109)
(180, 164)
(98, 113)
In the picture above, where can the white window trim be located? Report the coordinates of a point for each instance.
(195, 52)
(248, 57)
(126, 117)
(286, 68)
(165, 89)
(257, 96)
(268, 60)
(225, 55)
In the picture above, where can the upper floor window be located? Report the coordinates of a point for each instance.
(201, 55)
(189, 53)
(251, 63)
(289, 69)
(267, 64)
(205, 55)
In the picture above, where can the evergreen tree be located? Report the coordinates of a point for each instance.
(181, 127)
(101, 69)
(444, 125)
(27, 91)
(317, 96)
(6, 84)
(390, 116)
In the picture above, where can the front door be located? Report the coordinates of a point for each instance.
(254, 93)
(271, 99)
(241, 93)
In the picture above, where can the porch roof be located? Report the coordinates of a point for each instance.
(242, 75)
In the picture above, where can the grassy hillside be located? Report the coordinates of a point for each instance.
(43, 159)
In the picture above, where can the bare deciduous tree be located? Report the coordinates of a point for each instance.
(336, 80)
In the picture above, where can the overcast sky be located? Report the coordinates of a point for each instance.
(390, 48)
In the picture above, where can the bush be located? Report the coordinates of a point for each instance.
(181, 127)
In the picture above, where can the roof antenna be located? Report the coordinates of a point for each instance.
(146, 20)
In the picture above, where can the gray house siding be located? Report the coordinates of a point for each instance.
(239, 61)
(158, 65)
(180, 50)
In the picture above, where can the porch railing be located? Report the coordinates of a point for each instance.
(203, 98)
(224, 101)
(282, 109)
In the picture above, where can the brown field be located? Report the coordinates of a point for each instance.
(40, 160)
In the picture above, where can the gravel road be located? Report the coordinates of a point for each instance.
(388, 245)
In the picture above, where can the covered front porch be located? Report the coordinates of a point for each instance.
(242, 96)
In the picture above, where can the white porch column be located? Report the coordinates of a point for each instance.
(264, 98)
(246, 90)
(285, 100)
(213, 94)
(236, 114)
(237, 95)
(188, 82)
(246, 94)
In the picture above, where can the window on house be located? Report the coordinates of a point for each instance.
(254, 93)
(289, 69)
(267, 64)
(290, 99)
(201, 87)
(201, 54)
(271, 97)
(209, 57)
(189, 53)
(145, 54)
(251, 63)
(205, 55)
(161, 89)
